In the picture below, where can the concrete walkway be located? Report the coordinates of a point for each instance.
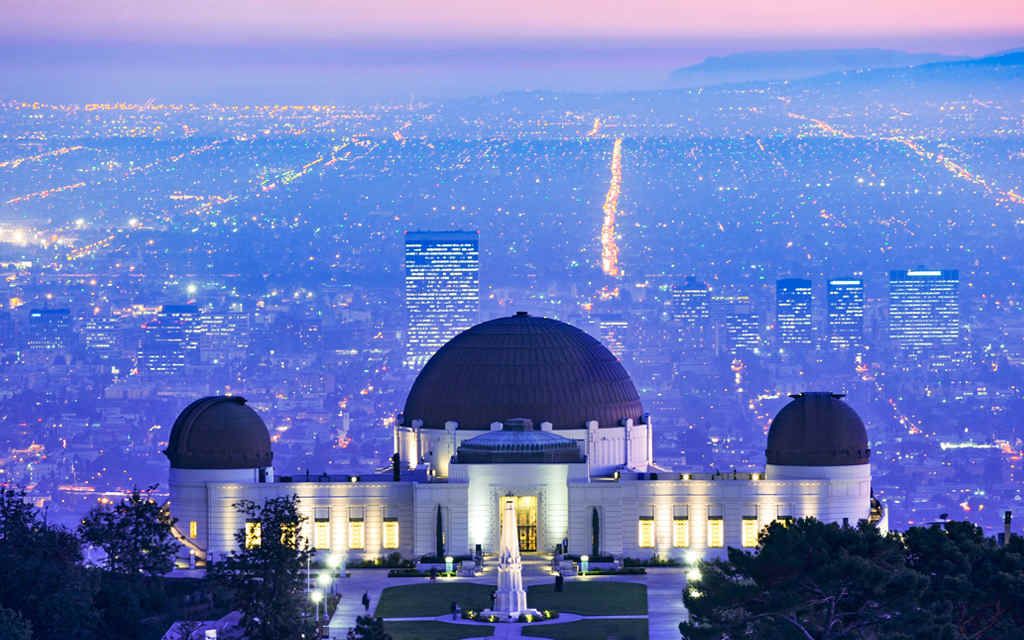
(515, 629)
(369, 581)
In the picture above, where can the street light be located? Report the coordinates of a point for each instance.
(317, 597)
(584, 563)
(324, 580)
(449, 564)
(334, 561)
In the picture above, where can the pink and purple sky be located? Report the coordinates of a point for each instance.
(192, 20)
(106, 48)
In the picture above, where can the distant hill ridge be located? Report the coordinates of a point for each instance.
(790, 65)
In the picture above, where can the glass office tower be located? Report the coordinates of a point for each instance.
(442, 290)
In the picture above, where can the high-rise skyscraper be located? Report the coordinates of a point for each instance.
(101, 335)
(736, 325)
(690, 305)
(924, 309)
(188, 317)
(612, 329)
(49, 329)
(793, 312)
(162, 351)
(845, 313)
(442, 289)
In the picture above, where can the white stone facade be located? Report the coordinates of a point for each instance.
(641, 514)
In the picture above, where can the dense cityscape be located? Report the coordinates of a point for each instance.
(731, 245)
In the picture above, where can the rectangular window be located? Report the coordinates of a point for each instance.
(748, 537)
(716, 532)
(645, 536)
(356, 533)
(784, 520)
(322, 528)
(193, 529)
(390, 533)
(681, 532)
(290, 535)
(253, 534)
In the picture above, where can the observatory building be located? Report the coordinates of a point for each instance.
(537, 410)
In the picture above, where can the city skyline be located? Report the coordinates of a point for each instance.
(330, 286)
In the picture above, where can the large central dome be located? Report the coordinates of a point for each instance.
(522, 367)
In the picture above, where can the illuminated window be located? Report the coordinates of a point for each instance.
(322, 528)
(645, 537)
(322, 534)
(356, 533)
(716, 532)
(253, 534)
(193, 529)
(680, 532)
(784, 520)
(290, 535)
(390, 533)
(748, 537)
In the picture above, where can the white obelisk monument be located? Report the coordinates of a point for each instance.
(510, 600)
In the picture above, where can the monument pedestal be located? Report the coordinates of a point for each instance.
(510, 599)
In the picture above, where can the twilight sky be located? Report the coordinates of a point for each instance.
(357, 50)
(198, 20)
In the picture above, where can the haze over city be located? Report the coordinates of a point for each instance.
(639, 283)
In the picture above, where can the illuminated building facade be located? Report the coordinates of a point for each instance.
(845, 313)
(691, 311)
(793, 313)
(100, 334)
(924, 310)
(536, 410)
(162, 348)
(49, 330)
(442, 289)
(188, 318)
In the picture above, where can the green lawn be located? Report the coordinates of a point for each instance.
(427, 630)
(419, 600)
(587, 629)
(591, 598)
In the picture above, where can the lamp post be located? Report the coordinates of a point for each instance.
(693, 573)
(324, 580)
(449, 564)
(334, 562)
(584, 564)
(317, 597)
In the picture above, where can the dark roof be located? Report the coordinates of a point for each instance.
(219, 432)
(522, 367)
(817, 429)
(507, 446)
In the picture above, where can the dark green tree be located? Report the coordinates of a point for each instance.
(439, 535)
(135, 534)
(368, 628)
(595, 532)
(267, 572)
(809, 581)
(975, 587)
(13, 626)
(41, 575)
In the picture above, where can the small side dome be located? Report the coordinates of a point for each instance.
(817, 429)
(219, 432)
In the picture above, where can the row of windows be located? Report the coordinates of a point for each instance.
(322, 534)
(681, 532)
